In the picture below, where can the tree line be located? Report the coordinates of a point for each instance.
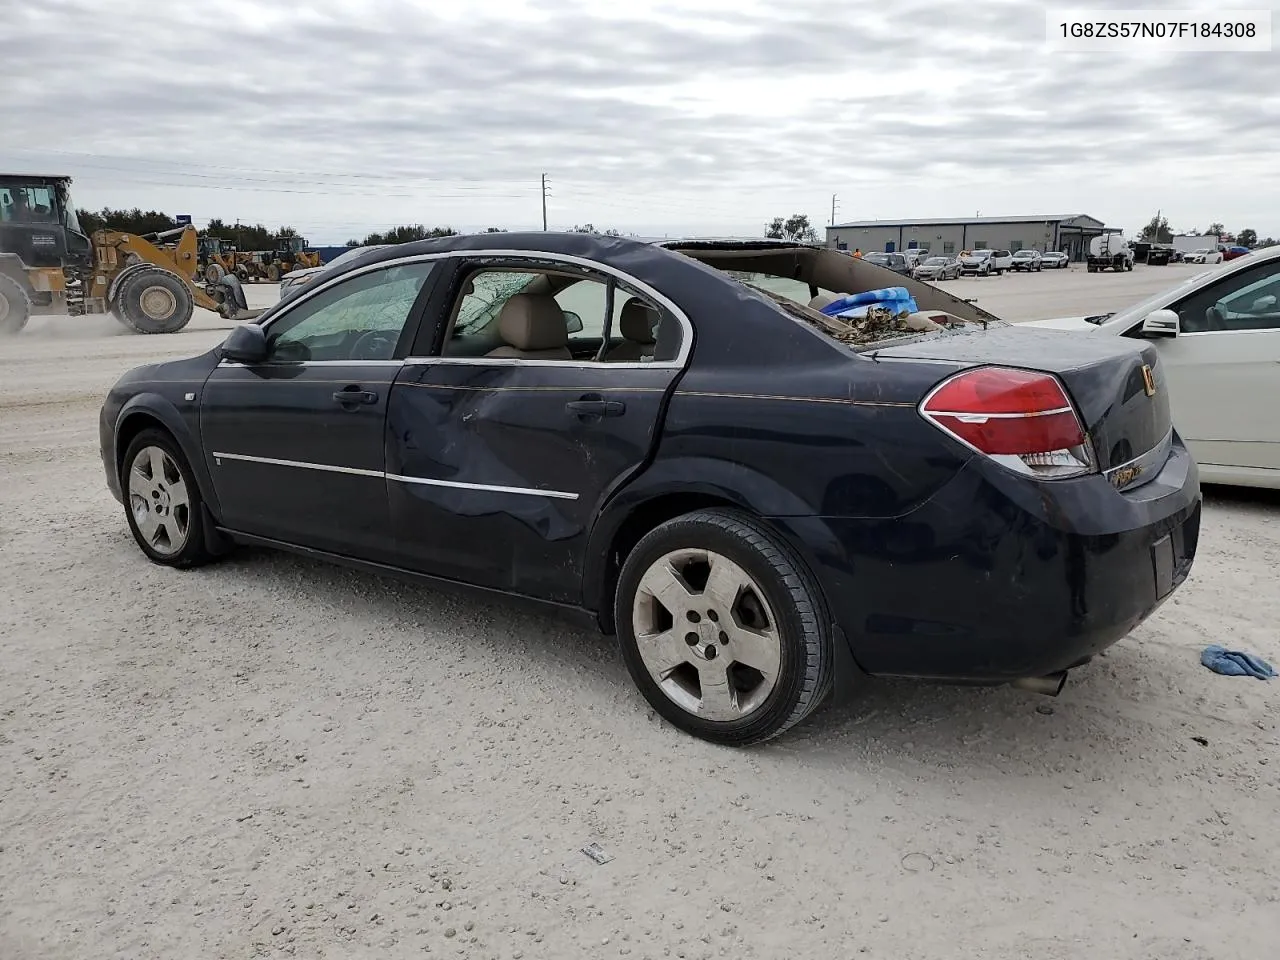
(1159, 231)
(257, 236)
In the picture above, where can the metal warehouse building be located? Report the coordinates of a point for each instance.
(1070, 233)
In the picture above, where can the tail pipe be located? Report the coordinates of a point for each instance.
(1050, 685)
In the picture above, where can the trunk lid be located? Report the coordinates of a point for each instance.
(1103, 375)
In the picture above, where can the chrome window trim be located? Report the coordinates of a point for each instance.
(219, 456)
(686, 326)
(295, 364)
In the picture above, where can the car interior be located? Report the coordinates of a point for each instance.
(551, 315)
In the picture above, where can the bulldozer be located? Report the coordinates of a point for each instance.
(48, 265)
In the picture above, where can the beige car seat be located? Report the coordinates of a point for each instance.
(636, 323)
(532, 327)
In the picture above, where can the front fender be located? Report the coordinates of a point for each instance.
(155, 407)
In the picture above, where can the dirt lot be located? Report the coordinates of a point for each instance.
(271, 756)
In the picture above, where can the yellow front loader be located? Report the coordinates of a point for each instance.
(48, 265)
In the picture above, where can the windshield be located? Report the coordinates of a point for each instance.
(980, 253)
(936, 262)
(1025, 253)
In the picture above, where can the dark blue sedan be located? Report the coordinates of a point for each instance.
(761, 488)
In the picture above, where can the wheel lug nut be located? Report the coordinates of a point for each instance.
(693, 616)
(691, 639)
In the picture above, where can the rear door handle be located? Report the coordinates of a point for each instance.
(352, 395)
(596, 406)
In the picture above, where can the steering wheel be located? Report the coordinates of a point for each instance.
(374, 345)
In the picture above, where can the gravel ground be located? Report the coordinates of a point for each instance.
(272, 756)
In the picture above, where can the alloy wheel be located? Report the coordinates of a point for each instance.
(159, 501)
(706, 634)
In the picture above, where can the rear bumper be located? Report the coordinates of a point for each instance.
(997, 577)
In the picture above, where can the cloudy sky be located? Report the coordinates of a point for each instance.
(702, 116)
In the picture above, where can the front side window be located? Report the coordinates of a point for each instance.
(1249, 300)
(359, 319)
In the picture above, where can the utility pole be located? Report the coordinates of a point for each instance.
(833, 210)
(544, 201)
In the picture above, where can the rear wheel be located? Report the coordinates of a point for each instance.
(723, 628)
(154, 301)
(15, 308)
(273, 273)
(213, 272)
(163, 502)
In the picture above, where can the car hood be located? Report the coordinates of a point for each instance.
(1061, 323)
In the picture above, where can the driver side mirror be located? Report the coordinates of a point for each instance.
(1161, 323)
(572, 321)
(246, 343)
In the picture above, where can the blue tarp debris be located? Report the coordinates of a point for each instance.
(1234, 663)
(855, 306)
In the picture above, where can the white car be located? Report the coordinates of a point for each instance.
(1218, 337)
(1204, 255)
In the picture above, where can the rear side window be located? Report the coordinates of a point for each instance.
(591, 331)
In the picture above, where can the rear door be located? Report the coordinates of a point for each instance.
(1224, 369)
(295, 444)
(498, 465)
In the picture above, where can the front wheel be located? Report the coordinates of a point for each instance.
(154, 301)
(163, 502)
(273, 273)
(723, 628)
(15, 308)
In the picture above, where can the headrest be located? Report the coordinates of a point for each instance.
(469, 287)
(533, 321)
(637, 320)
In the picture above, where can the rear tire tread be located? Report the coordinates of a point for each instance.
(816, 664)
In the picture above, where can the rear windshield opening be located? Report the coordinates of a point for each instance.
(852, 301)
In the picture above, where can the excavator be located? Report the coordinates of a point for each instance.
(49, 265)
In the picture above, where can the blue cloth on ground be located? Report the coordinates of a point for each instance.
(1233, 663)
(855, 305)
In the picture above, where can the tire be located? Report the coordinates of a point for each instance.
(154, 301)
(163, 505)
(214, 272)
(15, 307)
(773, 677)
(273, 273)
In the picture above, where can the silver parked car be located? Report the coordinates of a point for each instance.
(1028, 260)
(1054, 260)
(938, 268)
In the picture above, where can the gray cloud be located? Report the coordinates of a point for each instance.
(332, 102)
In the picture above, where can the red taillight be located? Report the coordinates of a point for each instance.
(1022, 418)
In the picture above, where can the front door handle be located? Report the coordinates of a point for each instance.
(351, 395)
(594, 405)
